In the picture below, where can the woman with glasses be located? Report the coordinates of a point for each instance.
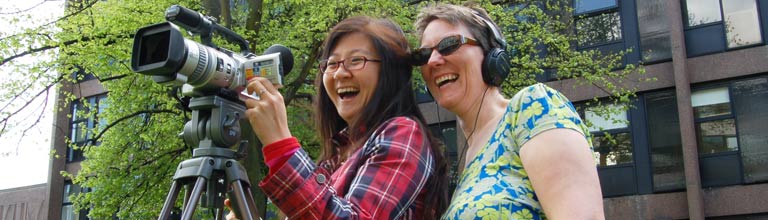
(526, 157)
(379, 160)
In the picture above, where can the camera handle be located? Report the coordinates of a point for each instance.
(199, 24)
(213, 166)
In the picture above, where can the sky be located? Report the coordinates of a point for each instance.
(25, 160)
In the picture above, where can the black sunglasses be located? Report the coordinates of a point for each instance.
(445, 47)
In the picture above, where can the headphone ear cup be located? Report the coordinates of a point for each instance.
(495, 67)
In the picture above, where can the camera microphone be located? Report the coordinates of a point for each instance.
(189, 19)
(286, 57)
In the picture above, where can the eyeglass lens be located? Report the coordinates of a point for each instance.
(353, 63)
(445, 47)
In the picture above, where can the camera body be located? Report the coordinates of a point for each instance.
(160, 50)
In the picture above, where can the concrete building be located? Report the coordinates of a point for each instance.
(24, 203)
(50, 200)
(694, 146)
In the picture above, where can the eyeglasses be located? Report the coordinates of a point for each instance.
(445, 47)
(352, 63)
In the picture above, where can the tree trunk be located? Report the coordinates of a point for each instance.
(212, 8)
(253, 23)
(226, 14)
(254, 166)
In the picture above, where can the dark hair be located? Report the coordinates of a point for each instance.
(393, 97)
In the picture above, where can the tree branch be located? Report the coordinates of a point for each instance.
(112, 78)
(38, 49)
(59, 19)
(110, 125)
(294, 86)
(5, 120)
(23, 10)
(65, 43)
(39, 117)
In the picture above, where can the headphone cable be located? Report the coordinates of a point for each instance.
(466, 141)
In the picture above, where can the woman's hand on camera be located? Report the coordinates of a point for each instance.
(267, 114)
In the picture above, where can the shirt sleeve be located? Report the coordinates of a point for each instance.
(276, 154)
(396, 165)
(539, 108)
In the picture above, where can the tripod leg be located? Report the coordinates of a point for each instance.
(187, 193)
(244, 202)
(189, 205)
(249, 197)
(169, 201)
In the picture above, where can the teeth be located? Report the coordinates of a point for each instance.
(444, 78)
(346, 89)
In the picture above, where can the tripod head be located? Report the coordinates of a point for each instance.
(213, 170)
(215, 124)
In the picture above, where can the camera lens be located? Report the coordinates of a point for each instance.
(154, 48)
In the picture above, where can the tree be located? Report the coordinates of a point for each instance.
(133, 155)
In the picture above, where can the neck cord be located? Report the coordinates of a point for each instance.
(466, 141)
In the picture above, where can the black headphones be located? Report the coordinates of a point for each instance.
(496, 62)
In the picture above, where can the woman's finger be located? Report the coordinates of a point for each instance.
(268, 85)
(255, 86)
(231, 215)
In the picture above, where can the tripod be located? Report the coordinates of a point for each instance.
(215, 126)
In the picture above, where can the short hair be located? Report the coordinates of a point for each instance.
(470, 16)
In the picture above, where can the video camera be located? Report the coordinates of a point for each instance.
(161, 51)
(214, 78)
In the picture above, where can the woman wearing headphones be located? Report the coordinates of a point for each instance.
(528, 157)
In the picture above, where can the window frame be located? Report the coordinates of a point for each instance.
(712, 38)
(731, 115)
(94, 102)
(614, 131)
(713, 175)
(759, 27)
(640, 40)
(687, 26)
(625, 178)
(65, 201)
(595, 13)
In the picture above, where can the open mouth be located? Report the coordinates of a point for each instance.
(347, 92)
(441, 81)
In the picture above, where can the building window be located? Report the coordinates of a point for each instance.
(611, 138)
(749, 104)
(654, 30)
(598, 29)
(446, 131)
(587, 6)
(422, 95)
(80, 75)
(67, 208)
(83, 124)
(701, 12)
(742, 24)
(737, 19)
(664, 141)
(598, 22)
(715, 125)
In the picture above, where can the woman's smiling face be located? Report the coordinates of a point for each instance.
(351, 90)
(456, 77)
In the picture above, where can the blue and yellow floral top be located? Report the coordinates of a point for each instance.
(494, 185)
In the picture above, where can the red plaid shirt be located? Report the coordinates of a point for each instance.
(383, 179)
